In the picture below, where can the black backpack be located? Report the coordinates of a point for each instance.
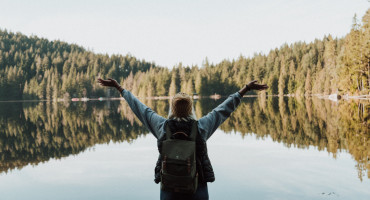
(179, 173)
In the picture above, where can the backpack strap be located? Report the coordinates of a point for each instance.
(194, 130)
(168, 132)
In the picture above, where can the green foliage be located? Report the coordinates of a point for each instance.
(32, 67)
(321, 67)
(354, 58)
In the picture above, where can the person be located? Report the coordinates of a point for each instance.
(181, 111)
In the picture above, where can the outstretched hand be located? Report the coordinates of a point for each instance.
(253, 85)
(108, 83)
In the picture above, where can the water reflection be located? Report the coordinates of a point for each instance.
(32, 133)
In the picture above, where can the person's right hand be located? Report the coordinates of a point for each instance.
(253, 85)
(108, 83)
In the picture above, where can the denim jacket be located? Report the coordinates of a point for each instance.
(207, 125)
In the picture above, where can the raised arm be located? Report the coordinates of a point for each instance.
(208, 124)
(253, 85)
(147, 116)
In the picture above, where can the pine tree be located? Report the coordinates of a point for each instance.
(173, 87)
(282, 79)
(308, 83)
(198, 83)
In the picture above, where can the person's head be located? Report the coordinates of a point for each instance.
(181, 105)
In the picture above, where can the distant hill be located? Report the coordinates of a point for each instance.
(324, 66)
(32, 67)
(36, 68)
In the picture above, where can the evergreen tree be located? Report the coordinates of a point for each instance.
(173, 87)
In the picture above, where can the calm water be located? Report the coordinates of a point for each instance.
(278, 148)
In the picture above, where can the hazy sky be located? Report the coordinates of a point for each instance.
(172, 31)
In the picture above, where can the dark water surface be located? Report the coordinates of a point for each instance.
(275, 148)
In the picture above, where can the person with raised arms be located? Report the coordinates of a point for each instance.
(183, 167)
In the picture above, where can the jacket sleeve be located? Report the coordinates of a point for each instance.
(208, 124)
(147, 116)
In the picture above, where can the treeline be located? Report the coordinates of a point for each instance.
(32, 67)
(326, 66)
(34, 133)
(36, 68)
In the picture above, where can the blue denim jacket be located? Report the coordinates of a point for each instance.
(207, 125)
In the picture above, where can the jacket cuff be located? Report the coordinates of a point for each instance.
(124, 92)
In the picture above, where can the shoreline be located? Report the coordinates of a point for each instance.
(332, 97)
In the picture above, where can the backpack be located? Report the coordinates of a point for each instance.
(179, 172)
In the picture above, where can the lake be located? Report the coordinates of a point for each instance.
(270, 148)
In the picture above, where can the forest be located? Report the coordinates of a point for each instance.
(36, 68)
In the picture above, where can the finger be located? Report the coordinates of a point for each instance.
(263, 86)
(101, 81)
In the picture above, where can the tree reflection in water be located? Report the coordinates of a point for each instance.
(31, 133)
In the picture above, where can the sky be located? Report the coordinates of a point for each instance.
(168, 32)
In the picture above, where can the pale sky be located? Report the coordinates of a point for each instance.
(171, 31)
